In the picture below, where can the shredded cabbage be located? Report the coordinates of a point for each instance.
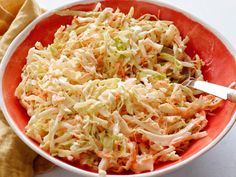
(108, 92)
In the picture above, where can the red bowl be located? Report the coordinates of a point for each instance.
(218, 55)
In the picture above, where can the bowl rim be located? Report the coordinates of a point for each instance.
(20, 38)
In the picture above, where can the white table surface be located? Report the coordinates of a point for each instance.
(221, 160)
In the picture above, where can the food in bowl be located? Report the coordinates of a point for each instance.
(108, 92)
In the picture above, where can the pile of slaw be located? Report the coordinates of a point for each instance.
(108, 93)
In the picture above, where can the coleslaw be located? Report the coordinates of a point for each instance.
(108, 93)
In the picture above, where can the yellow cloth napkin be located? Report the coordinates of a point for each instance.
(28, 12)
(11, 6)
(16, 159)
(5, 20)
